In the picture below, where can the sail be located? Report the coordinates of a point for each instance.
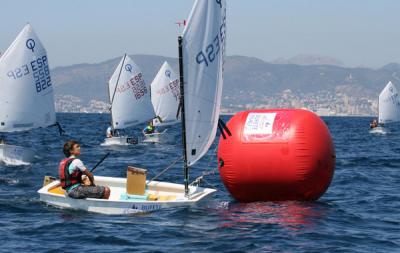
(165, 94)
(26, 90)
(389, 104)
(203, 42)
(129, 95)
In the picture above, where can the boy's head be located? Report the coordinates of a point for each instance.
(71, 147)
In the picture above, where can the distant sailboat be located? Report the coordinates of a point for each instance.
(26, 93)
(389, 105)
(130, 100)
(165, 96)
(165, 99)
(201, 60)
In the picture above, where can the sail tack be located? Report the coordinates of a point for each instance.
(204, 40)
(165, 94)
(26, 90)
(389, 104)
(129, 95)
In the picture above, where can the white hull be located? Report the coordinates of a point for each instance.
(16, 155)
(378, 130)
(153, 138)
(120, 140)
(168, 194)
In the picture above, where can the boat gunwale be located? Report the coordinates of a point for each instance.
(203, 192)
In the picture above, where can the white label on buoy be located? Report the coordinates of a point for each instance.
(259, 123)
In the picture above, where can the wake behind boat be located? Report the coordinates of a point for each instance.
(15, 155)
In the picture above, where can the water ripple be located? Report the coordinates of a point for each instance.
(359, 212)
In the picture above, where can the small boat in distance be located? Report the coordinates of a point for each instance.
(26, 93)
(199, 112)
(165, 96)
(165, 93)
(389, 105)
(389, 110)
(130, 101)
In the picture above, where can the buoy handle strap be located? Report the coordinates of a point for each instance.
(222, 127)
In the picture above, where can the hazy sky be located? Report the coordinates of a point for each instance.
(356, 32)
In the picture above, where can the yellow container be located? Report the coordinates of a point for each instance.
(135, 181)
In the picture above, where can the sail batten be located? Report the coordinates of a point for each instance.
(203, 43)
(26, 90)
(389, 104)
(131, 102)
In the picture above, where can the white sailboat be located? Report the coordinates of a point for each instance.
(200, 71)
(130, 100)
(165, 93)
(26, 93)
(389, 105)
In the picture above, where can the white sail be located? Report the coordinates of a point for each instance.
(26, 90)
(389, 104)
(204, 40)
(129, 95)
(165, 94)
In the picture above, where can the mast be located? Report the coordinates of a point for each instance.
(115, 89)
(378, 112)
(182, 103)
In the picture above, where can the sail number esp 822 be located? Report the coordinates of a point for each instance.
(39, 68)
(209, 54)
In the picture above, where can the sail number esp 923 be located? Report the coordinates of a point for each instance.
(40, 71)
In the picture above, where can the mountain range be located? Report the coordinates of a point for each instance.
(243, 75)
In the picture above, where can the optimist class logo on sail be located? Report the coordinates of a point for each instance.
(30, 44)
(128, 68)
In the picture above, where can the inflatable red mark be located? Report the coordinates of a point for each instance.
(274, 155)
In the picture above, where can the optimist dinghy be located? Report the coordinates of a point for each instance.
(389, 105)
(199, 112)
(26, 93)
(158, 195)
(130, 100)
(165, 93)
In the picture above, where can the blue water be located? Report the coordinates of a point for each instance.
(360, 212)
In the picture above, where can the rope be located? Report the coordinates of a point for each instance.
(199, 179)
(164, 170)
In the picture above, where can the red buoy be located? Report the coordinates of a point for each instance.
(274, 155)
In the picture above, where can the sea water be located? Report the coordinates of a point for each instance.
(360, 212)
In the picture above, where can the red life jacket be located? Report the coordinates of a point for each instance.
(67, 179)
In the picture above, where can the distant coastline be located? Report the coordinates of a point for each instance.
(233, 113)
(249, 83)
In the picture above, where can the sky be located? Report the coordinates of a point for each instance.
(356, 32)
